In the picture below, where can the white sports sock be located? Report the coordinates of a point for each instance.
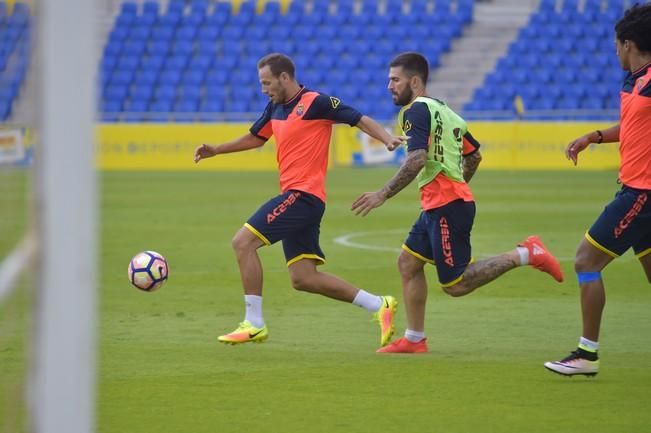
(254, 310)
(588, 345)
(368, 301)
(414, 336)
(524, 255)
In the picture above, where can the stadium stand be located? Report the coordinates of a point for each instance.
(562, 66)
(196, 60)
(15, 33)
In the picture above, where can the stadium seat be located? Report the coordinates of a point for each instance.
(142, 92)
(208, 45)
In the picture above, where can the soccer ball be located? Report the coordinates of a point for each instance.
(148, 271)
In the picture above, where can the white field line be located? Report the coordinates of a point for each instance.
(12, 266)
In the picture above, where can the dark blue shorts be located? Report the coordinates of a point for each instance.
(624, 223)
(293, 217)
(441, 237)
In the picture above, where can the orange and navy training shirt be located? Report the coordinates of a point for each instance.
(635, 130)
(442, 190)
(303, 128)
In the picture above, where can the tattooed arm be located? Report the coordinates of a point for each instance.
(470, 164)
(414, 162)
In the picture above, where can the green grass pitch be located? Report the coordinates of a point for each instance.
(161, 368)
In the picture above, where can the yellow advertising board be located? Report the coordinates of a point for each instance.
(514, 145)
(151, 146)
(540, 145)
(505, 145)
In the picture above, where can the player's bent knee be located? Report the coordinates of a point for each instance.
(581, 263)
(408, 264)
(245, 240)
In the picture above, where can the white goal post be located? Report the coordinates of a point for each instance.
(62, 391)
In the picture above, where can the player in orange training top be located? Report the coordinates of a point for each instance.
(625, 222)
(301, 121)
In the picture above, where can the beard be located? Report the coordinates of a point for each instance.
(404, 98)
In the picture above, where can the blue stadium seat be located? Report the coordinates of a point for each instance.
(152, 63)
(169, 20)
(122, 78)
(127, 63)
(176, 62)
(567, 104)
(139, 33)
(170, 77)
(142, 92)
(186, 32)
(192, 20)
(145, 20)
(115, 93)
(216, 77)
(108, 63)
(237, 106)
(133, 48)
(165, 92)
(150, 8)
(311, 76)
(212, 106)
(137, 106)
(208, 33)
(112, 48)
(225, 62)
(200, 63)
(592, 103)
(206, 47)
(123, 21)
(161, 105)
(112, 106)
(162, 33)
(215, 92)
(232, 33)
(129, 8)
(187, 106)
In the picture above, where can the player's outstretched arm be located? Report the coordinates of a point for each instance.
(245, 142)
(377, 131)
(578, 145)
(414, 162)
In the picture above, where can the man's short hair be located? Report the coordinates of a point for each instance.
(278, 63)
(635, 26)
(412, 63)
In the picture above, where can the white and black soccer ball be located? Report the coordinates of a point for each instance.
(148, 271)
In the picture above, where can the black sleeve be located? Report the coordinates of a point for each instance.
(262, 127)
(331, 108)
(417, 124)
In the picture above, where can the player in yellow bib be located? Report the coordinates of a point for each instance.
(442, 156)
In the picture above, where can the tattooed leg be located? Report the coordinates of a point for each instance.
(482, 272)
